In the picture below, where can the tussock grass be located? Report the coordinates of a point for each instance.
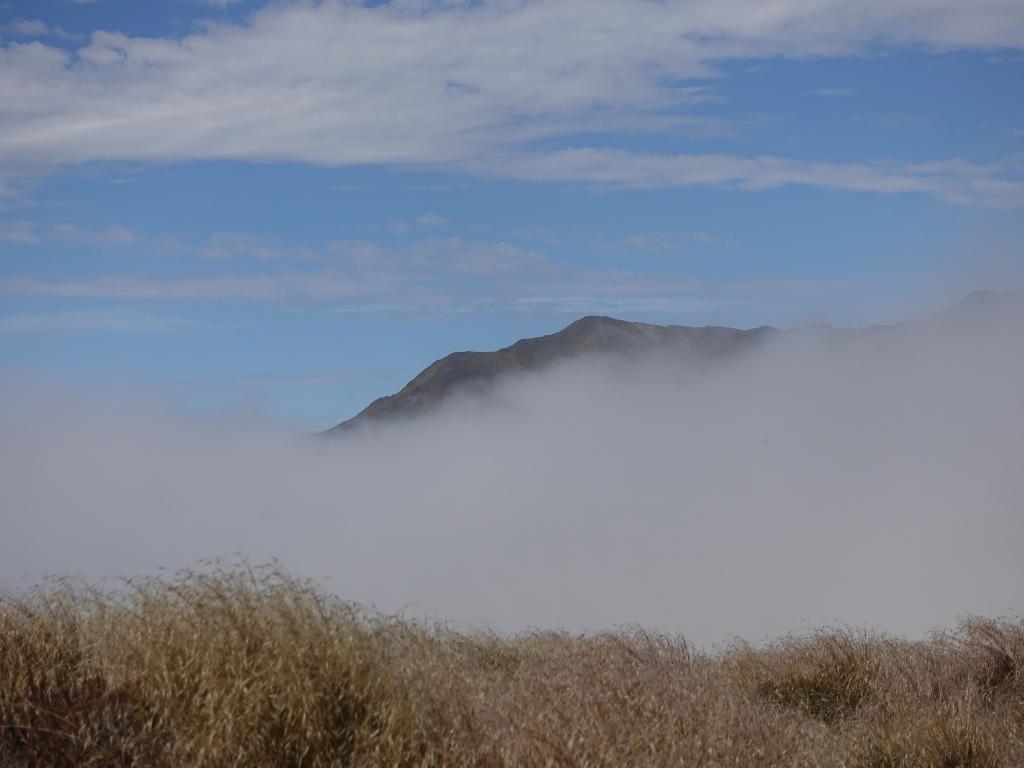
(250, 667)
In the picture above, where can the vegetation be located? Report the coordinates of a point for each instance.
(244, 667)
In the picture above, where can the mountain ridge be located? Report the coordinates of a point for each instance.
(600, 334)
(593, 334)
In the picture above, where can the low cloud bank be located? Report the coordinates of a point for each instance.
(873, 478)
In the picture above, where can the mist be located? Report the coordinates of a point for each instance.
(871, 478)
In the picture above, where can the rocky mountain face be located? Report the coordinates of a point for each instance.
(462, 371)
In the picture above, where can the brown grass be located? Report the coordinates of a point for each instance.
(244, 667)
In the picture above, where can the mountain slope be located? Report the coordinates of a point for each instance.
(462, 371)
(469, 371)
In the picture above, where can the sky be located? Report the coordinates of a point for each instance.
(287, 209)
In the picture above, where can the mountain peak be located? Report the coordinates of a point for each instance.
(595, 321)
(593, 334)
(600, 334)
(984, 301)
(980, 297)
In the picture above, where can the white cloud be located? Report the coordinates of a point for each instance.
(426, 221)
(28, 28)
(432, 221)
(708, 238)
(110, 236)
(446, 260)
(30, 233)
(225, 246)
(954, 181)
(666, 242)
(652, 243)
(829, 92)
(449, 84)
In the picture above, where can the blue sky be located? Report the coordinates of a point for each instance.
(288, 210)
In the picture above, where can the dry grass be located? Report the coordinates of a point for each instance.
(252, 668)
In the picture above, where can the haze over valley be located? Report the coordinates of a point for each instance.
(868, 476)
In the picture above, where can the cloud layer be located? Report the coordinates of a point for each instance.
(467, 86)
(873, 479)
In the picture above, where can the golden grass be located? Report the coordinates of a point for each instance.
(244, 667)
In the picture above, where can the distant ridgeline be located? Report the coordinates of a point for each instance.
(461, 371)
(590, 335)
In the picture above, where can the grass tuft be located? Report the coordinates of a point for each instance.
(826, 676)
(250, 667)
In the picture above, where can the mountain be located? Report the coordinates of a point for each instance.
(462, 371)
(473, 371)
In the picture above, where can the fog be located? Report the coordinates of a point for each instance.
(873, 478)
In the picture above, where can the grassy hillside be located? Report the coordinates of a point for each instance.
(253, 668)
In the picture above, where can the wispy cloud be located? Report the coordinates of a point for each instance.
(432, 221)
(440, 187)
(709, 238)
(429, 276)
(30, 233)
(620, 305)
(109, 236)
(88, 320)
(281, 286)
(954, 181)
(665, 242)
(441, 260)
(226, 246)
(416, 84)
(425, 221)
(346, 187)
(33, 28)
(20, 232)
